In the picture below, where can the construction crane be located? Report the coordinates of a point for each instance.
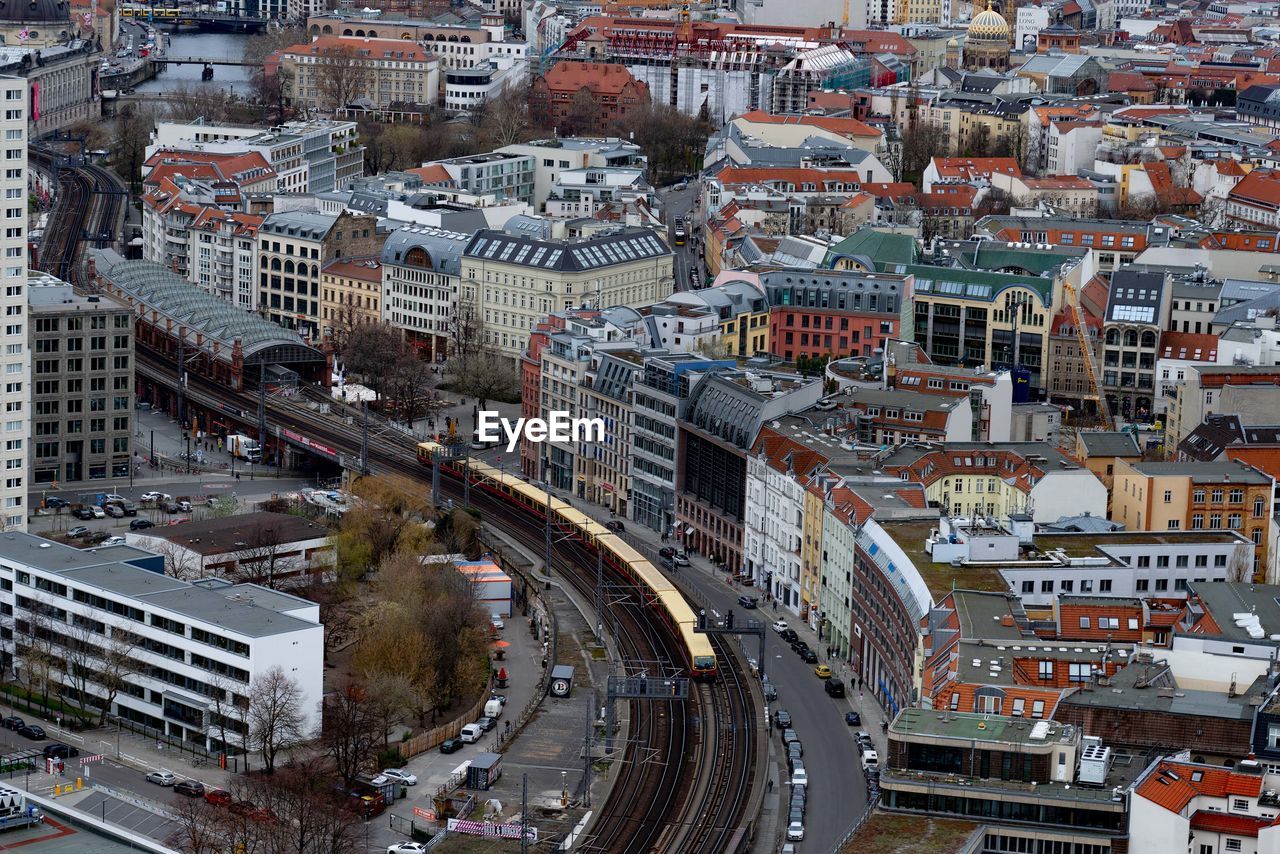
(844, 20)
(1086, 350)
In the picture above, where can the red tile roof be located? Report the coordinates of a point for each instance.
(968, 168)
(1167, 191)
(795, 177)
(1128, 81)
(1058, 182)
(602, 78)
(1261, 186)
(365, 269)
(433, 174)
(1213, 821)
(1189, 346)
(398, 50)
(844, 126)
(1171, 784)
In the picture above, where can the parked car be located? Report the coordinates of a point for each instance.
(799, 776)
(471, 733)
(77, 531)
(141, 524)
(13, 722)
(780, 626)
(822, 671)
(129, 508)
(115, 511)
(190, 788)
(834, 687)
(97, 537)
(84, 513)
(58, 750)
(451, 745)
(400, 776)
(171, 506)
(113, 541)
(748, 602)
(110, 497)
(156, 496)
(770, 691)
(162, 778)
(487, 723)
(788, 635)
(406, 848)
(33, 732)
(53, 502)
(218, 797)
(789, 736)
(795, 752)
(853, 719)
(798, 646)
(864, 740)
(666, 552)
(782, 719)
(184, 506)
(795, 831)
(497, 622)
(809, 656)
(680, 559)
(870, 759)
(98, 512)
(616, 526)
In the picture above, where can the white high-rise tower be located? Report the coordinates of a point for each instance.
(15, 439)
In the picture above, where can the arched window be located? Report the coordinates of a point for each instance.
(275, 264)
(1130, 338)
(328, 30)
(288, 266)
(1113, 336)
(1149, 339)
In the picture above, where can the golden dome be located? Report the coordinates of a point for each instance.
(989, 25)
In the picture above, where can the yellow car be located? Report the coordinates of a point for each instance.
(822, 671)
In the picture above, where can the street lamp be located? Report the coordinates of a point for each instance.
(187, 436)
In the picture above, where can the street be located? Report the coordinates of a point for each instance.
(680, 203)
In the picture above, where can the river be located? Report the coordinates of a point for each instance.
(208, 46)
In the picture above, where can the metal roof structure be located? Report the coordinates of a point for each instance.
(219, 324)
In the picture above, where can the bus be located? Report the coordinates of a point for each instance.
(681, 234)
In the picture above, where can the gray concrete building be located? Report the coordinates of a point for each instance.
(82, 386)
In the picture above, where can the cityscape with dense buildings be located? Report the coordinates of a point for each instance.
(496, 425)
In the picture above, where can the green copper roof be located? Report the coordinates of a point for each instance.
(881, 247)
(969, 284)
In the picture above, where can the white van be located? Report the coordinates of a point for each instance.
(493, 709)
(471, 733)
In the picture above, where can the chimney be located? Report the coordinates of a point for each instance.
(1007, 620)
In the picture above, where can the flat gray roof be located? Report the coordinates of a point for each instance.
(1204, 471)
(246, 609)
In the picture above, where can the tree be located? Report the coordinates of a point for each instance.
(34, 645)
(1014, 143)
(129, 143)
(390, 693)
(267, 557)
(393, 147)
(408, 388)
(673, 142)
(504, 120)
(342, 75)
(371, 351)
(261, 45)
(310, 817)
(980, 141)
(118, 667)
(488, 376)
(389, 516)
(223, 506)
(226, 709)
(199, 826)
(584, 111)
(274, 715)
(348, 732)
(466, 329)
(921, 142)
(1240, 567)
(272, 92)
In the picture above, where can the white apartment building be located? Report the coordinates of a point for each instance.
(773, 529)
(470, 88)
(17, 358)
(312, 156)
(188, 641)
(515, 280)
(420, 267)
(582, 192)
(552, 157)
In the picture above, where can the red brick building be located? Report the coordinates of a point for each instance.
(585, 97)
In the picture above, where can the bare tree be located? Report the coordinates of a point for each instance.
(267, 558)
(179, 562)
(271, 91)
(466, 330)
(260, 46)
(198, 827)
(408, 387)
(1240, 567)
(921, 141)
(504, 120)
(390, 693)
(348, 732)
(309, 817)
(274, 715)
(34, 645)
(371, 351)
(118, 667)
(584, 113)
(226, 709)
(129, 141)
(489, 376)
(341, 76)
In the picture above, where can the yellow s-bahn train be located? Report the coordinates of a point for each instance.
(138, 10)
(661, 595)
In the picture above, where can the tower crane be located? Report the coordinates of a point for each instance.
(1086, 350)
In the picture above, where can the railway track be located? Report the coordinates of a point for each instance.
(72, 221)
(686, 775)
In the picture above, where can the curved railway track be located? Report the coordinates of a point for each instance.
(685, 782)
(73, 220)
